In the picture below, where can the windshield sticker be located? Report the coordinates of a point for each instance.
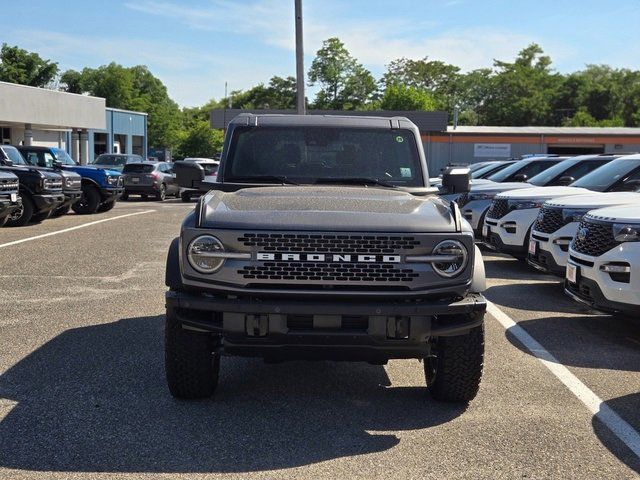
(399, 139)
(405, 172)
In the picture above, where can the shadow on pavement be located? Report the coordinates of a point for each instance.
(535, 297)
(502, 266)
(627, 408)
(95, 399)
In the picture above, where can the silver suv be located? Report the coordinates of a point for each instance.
(321, 239)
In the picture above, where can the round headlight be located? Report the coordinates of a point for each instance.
(459, 257)
(201, 254)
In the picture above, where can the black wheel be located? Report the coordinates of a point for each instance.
(22, 215)
(162, 194)
(454, 369)
(185, 196)
(4, 220)
(58, 212)
(105, 207)
(89, 201)
(124, 196)
(40, 217)
(191, 360)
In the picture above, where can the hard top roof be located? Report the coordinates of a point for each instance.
(251, 119)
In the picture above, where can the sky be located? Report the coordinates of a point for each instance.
(195, 46)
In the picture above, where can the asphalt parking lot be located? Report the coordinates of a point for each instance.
(83, 395)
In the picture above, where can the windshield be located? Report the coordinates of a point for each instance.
(603, 178)
(14, 155)
(529, 168)
(63, 157)
(116, 160)
(492, 167)
(573, 167)
(312, 154)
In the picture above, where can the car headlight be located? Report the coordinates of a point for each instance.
(112, 179)
(573, 214)
(524, 204)
(481, 196)
(455, 261)
(204, 254)
(626, 232)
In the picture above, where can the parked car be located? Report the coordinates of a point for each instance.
(149, 178)
(210, 167)
(116, 161)
(42, 158)
(507, 225)
(101, 187)
(603, 270)
(558, 222)
(10, 199)
(490, 168)
(40, 190)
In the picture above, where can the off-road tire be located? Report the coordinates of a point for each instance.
(124, 196)
(89, 202)
(192, 360)
(105, 207)
(185, 196)
(27, 213)
(458, 363)
(4, 220)
(162, 194)
(58, 212)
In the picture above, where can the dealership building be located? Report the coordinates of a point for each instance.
(80, 124)
(445, 144)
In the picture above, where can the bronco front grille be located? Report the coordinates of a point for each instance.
(594, 239)
(8, 186)
(549, 220)
(312, 243)
(345, 272)
(73, 184)
(499, 208)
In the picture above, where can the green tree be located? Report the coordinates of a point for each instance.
(280, 93)
(344, 83)
(523, 92)
(199, 141)
(402, 97)
(26, 68)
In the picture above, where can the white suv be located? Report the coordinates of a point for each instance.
(603, 270)
(557, 224)
(508, 222)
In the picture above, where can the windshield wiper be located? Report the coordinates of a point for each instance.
(263, 178)
(357, 181)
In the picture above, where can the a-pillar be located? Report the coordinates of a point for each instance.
(75, 147)
(28, 135)
(84, 147)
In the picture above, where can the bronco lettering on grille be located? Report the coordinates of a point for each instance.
(322, 257)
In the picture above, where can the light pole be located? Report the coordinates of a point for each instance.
(300, 106)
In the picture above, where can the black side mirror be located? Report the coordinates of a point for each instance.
(6, 162)
(456, 180)
(189, 174)
(630, 186)
(521, 177)
(57, 164)
(566, 180)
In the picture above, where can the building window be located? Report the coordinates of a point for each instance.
(137, 142)
(6, 135)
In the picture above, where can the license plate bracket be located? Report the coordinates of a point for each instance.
(573, 273)
(533, 247)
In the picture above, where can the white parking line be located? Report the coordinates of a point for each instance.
(594, 404)
(16, 242)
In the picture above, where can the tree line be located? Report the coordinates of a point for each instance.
(525, 91)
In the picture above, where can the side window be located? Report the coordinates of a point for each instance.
(534, 168)
(581, 169)
(48, 159)
(32, 159)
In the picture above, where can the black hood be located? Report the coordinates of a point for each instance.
(326, 208)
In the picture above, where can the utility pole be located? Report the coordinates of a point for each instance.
(300, 103)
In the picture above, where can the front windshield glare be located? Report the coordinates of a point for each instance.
(316, 154)
(604, 177)
(14, 155)
(63, 156)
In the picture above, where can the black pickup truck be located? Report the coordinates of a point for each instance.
(322, 239)
(10, 200)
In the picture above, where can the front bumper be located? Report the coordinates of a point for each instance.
(364, 330)
(48, 201)
(71, 197)
(552, 249)
(509, 234)
(109, 194)
(598, 288)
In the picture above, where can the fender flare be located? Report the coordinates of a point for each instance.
(90, 182)
(479, 282)
(173, 278)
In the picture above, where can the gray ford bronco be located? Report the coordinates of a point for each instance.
(321, 239)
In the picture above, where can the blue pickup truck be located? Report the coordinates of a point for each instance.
(101, 187)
